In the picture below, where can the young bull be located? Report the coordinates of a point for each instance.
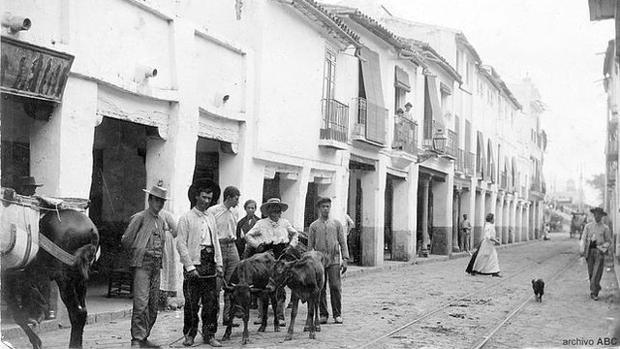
(251, 276)
(305, 277)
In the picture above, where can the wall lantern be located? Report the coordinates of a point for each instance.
(439, 142)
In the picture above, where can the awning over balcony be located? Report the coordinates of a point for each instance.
(481, 165)
(491, 161)
(401, 79)
(431, 90)
(601, 9)
(371, 73)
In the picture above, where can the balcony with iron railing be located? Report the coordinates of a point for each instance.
(452, 144)
(405, 135)
(460, 161)
(503, 180)
(369, 122)
(469, 163)
(335, 124)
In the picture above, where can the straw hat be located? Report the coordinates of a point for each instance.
(158, 191)
(264, 208)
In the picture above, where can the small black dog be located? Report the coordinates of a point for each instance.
(539, 289)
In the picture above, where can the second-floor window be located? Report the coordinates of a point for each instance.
(402, 86)
(329, 74)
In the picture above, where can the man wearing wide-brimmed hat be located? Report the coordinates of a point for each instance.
(272, 233)
(596, 240)
(201, 255)
(145, 238)
(28, 186)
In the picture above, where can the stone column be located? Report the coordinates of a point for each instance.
(519, 233)
(442, 216)
(61, 149)
(506, 219)
(499, 217)
(373, 206)
(425, 183)
(513, 220)
(479, 216)
(455, 218)
(526, 222)
(293, 189)
(403, 231)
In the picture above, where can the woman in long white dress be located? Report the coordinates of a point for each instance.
(485, 260)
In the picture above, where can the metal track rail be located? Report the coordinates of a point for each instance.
(448, 304)
(516, 310)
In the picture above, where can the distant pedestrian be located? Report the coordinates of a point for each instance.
(349, 224)
(145, 238)
(465, 229)
(168, 283)
(226, 226)
(595, 243)
(272, 233)
(245, 224)
(326, 235)
(200, 253)
(485, 261)
(243, 227)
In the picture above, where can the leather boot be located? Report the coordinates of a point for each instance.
(189, 341)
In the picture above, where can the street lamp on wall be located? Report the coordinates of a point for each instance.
(439, 142)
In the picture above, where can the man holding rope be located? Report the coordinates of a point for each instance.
(199, 250)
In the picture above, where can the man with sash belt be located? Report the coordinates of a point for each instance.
(200, 253)
(144, 238)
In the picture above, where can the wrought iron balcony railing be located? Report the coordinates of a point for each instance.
(405, 135)
(335, 124)
(460, 161)
(469, 163)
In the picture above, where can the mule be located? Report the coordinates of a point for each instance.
(73, 232)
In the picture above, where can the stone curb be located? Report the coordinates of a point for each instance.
(14, 331)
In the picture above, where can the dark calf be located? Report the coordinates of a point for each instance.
(251, 276)
(305, 277)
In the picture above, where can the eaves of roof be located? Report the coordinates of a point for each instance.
(376, 28)
(438, 59)
(317, 12)
(497, 81)
(461, 39)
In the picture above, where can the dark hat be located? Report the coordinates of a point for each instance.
(599, 211)
(408, 104)
(323, 200)
(203, 183)
(29, 181)
(264, 208)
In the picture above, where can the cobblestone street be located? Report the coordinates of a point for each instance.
(458, 309)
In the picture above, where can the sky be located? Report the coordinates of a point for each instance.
(552, 41)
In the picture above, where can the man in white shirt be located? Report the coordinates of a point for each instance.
(200, 253)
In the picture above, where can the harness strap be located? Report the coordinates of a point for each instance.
(56, 251)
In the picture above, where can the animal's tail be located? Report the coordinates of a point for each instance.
(86, 254)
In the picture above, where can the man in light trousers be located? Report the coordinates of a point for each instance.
(226, 226)
(326, 235)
